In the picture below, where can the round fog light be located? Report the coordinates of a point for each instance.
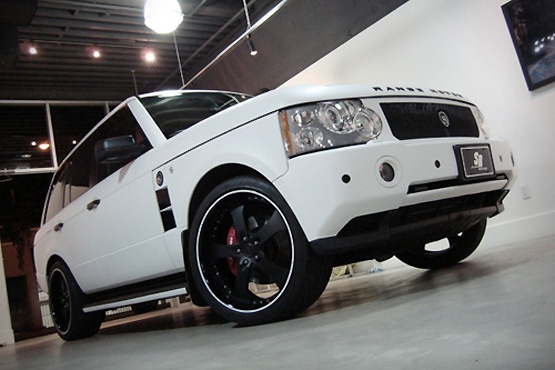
(387, 172)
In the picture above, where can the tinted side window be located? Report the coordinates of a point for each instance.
(121, 124)
(58, 195)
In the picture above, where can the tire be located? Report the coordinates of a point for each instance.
(144, 307)
(249, 257)
(460, 247)
(66, 306)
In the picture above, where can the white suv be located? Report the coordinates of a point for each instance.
(246, 204)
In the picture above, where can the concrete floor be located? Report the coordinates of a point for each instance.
(494, 311)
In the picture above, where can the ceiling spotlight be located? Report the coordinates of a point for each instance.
(33, 50)
(44, 146)
(251, 45)
(149, 56)
(163, 16)
(96, 54)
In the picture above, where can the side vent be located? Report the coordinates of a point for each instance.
(165, 206)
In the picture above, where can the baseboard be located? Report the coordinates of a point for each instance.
(519, 230)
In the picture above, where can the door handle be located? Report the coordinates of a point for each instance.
(93, 204)
(59, 226)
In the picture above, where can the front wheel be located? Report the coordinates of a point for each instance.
(249, 256)
(459, 247)
(66, 306)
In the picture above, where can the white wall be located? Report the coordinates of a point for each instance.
(6, 332)
(463, 46)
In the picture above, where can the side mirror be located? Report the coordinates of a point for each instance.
(117, 150)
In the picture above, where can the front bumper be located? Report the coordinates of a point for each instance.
(330, 190)
(378, 236)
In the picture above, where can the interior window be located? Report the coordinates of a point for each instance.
(72, 123)
(24, 138)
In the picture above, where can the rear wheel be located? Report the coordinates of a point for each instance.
(459, 247)
(249, 256)
(66, 306)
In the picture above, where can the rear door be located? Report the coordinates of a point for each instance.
(117, 231)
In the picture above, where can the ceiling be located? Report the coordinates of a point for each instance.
(66, 31)
(65, 34)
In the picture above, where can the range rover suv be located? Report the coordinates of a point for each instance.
(247, 203)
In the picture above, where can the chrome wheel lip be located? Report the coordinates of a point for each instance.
(204, 279)
(60, 302)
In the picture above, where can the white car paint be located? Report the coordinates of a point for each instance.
(122, 241)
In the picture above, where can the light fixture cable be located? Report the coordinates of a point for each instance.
(135, 82)
(233, 44)
(178, 60)
(247, 15)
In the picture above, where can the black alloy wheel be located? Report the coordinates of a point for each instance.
(66, 306)
(249, 256)
(459, 247)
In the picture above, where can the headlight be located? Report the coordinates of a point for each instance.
(328, 125)
(480, 121)
(337, 117)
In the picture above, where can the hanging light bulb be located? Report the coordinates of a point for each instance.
(163, 16)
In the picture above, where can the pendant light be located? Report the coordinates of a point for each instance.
(163, 16)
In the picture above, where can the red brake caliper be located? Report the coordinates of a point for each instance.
(231, 262)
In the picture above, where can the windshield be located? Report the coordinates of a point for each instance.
(177, 112)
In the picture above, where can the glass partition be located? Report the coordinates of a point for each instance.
(71, 123)
(24, 138)
(35, 136)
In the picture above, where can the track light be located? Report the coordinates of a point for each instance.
(163, 16)
(249, 26)
(251, 45)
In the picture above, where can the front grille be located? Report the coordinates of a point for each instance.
(422, 120)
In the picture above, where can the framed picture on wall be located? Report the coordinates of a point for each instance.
(532, 27)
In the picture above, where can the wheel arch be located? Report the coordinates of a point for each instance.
(57, 258)
(208, 182)
(52, 260)
(214, 177)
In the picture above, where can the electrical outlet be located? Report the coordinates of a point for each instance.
(525, 191)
